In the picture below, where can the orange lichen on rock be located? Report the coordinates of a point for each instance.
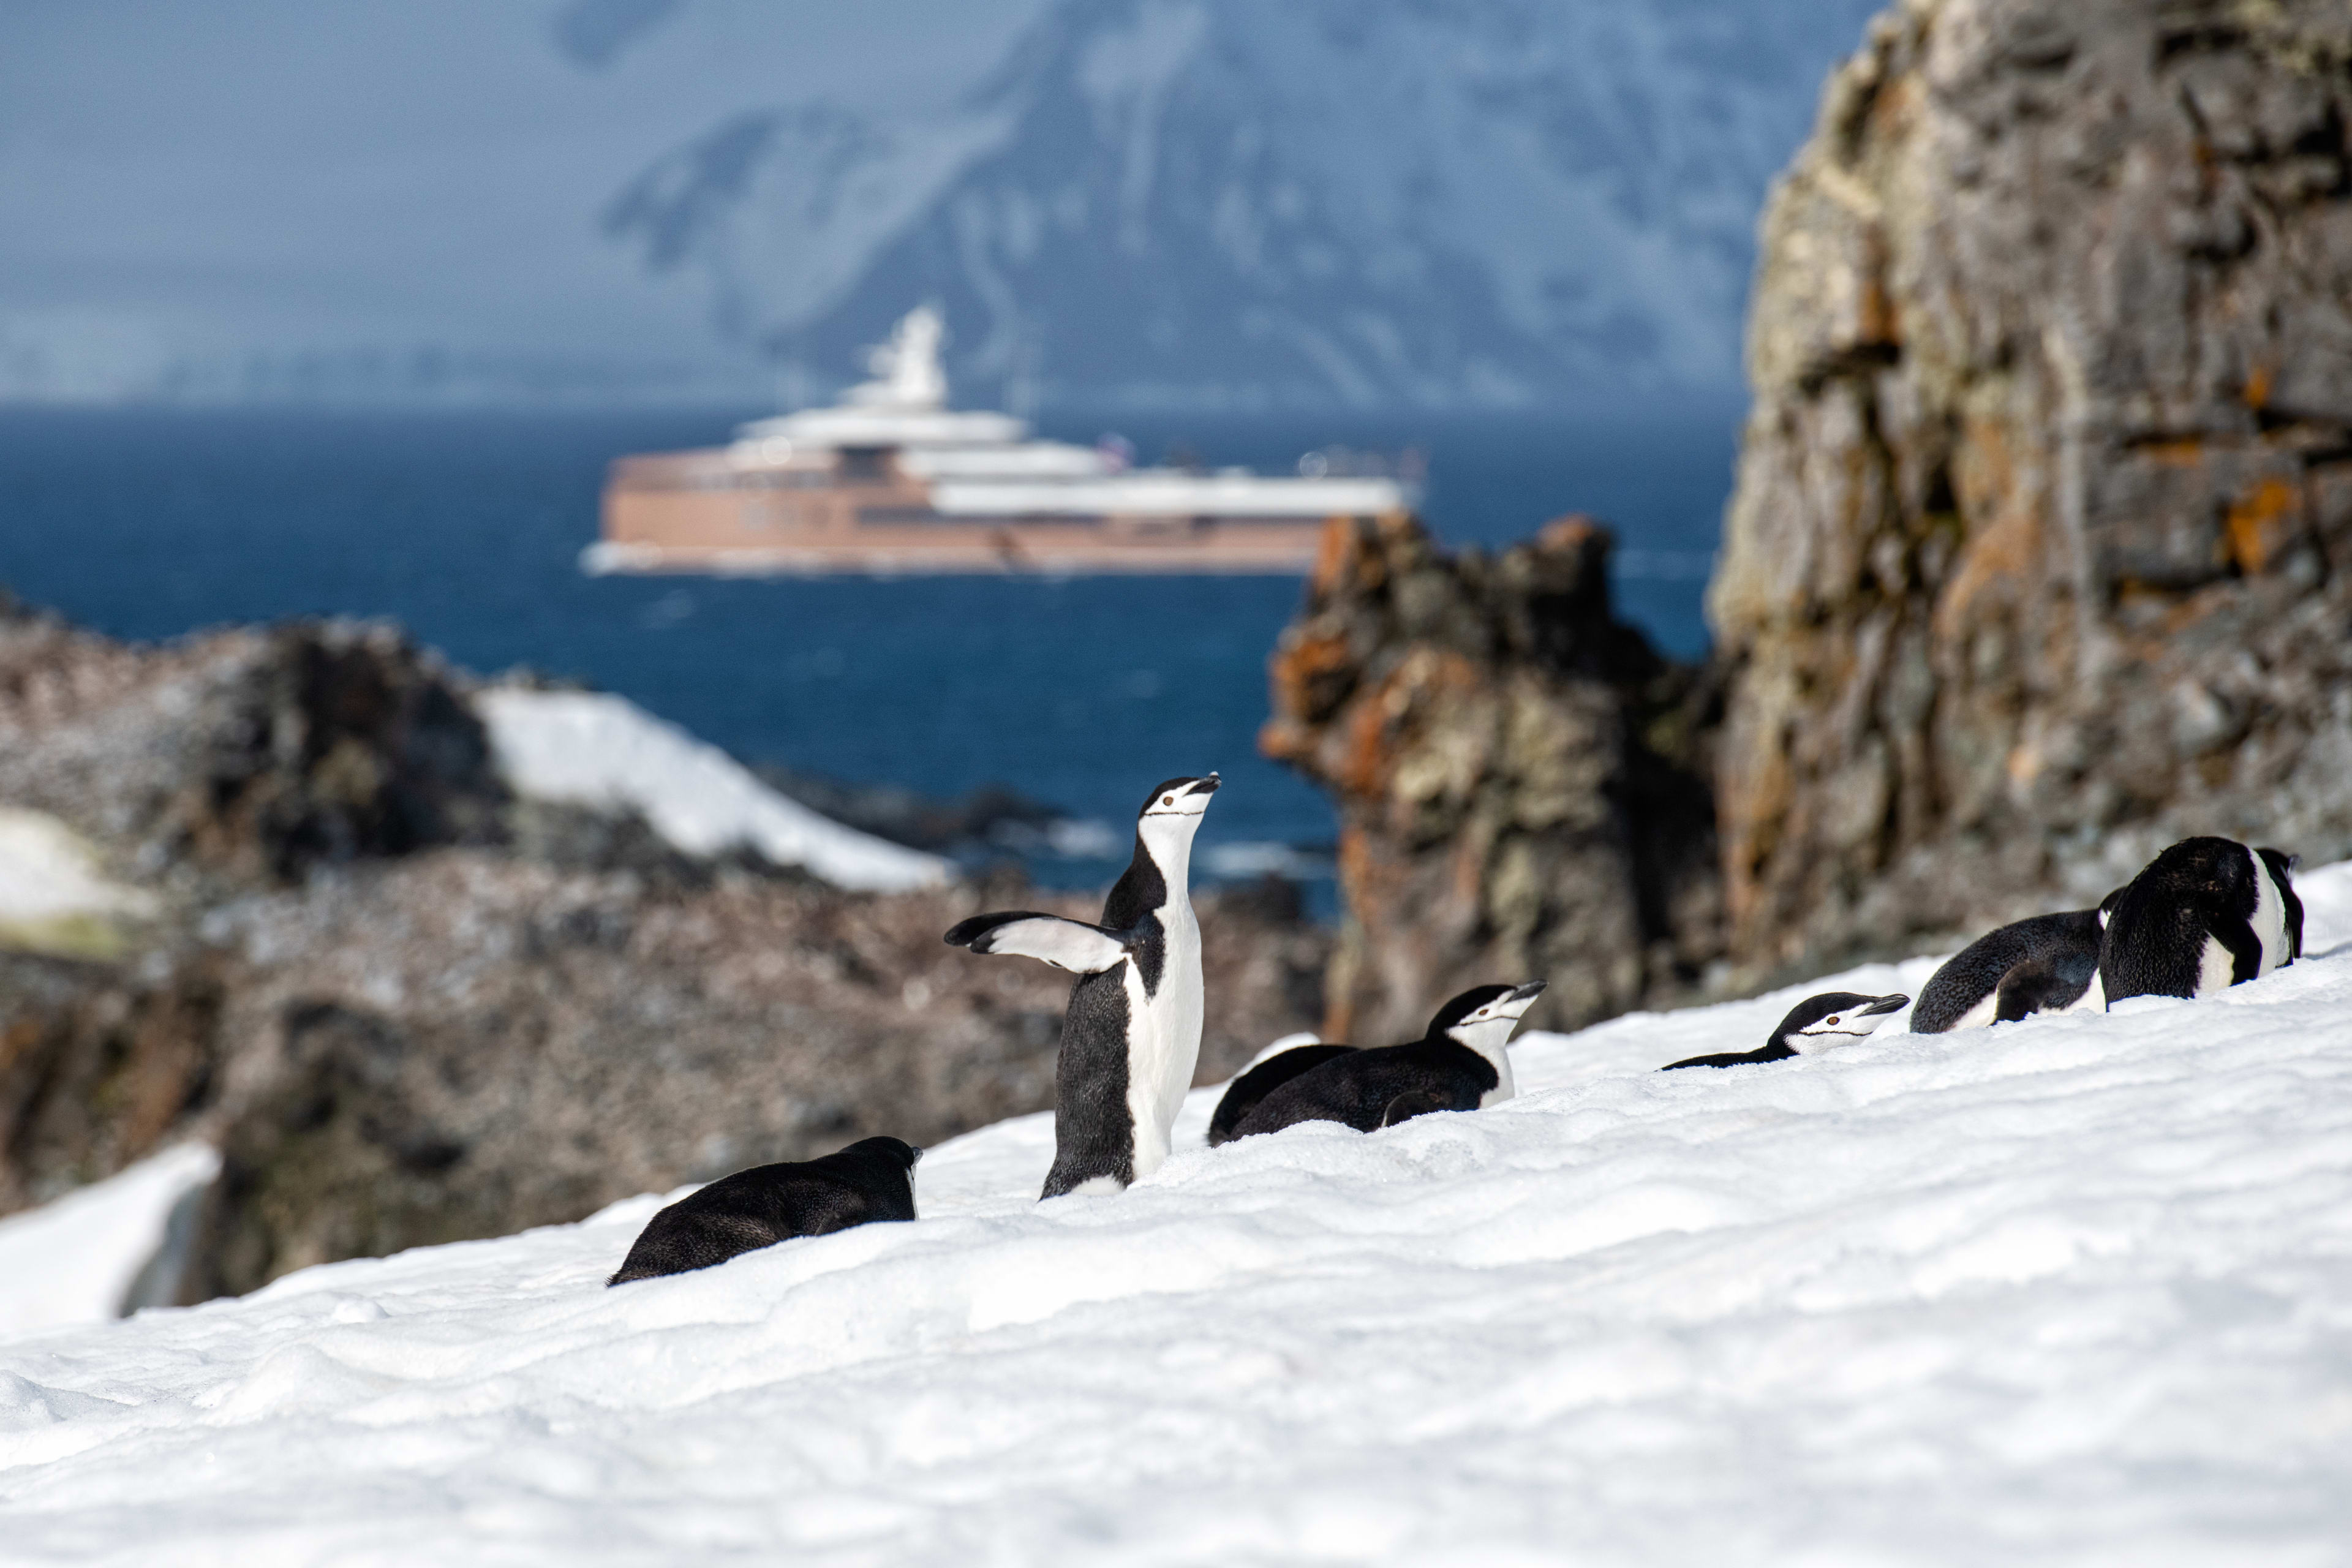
(2261, 522)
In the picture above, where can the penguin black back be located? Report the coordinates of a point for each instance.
(2206, 914)
(871, 1180)
(2061, 954)
(1833, 1017)
(1242, 1096)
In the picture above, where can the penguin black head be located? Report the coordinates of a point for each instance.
(1179, 797)
(1833, 1019)
(1484, 1016)
(897, 1148)
(1170, 816)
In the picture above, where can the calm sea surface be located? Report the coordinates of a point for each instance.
(1080, 692)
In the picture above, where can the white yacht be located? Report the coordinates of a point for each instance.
(891, 479)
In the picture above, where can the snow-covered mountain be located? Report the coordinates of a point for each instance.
(2070, 1291)
(1228, 202)
(1221, 203)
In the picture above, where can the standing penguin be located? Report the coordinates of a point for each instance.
(1813, 1024)
(1459, 1064)
(1132, 1034)
(2205, 915)
(2046, 965)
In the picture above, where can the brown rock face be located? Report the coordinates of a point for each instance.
(1517, 785)
(2041, 551)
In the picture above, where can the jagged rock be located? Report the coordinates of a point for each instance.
(2041, 551)
(1518, 774)
(242, 756)
(100, 1065)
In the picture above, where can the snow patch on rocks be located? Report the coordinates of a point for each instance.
(592, 749)
(54, 896)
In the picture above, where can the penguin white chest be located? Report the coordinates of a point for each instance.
(1503, 1088)
(1164, 1038)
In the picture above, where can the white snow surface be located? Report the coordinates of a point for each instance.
(2077, 1290)
(594, 749)
(74, 1260)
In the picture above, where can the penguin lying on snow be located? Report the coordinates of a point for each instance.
(2205, 915)
(1459, 1064)
(873, 1179)
(1813, 1024)
(1132, 1034)
(2046, 964)
(1241, 1097)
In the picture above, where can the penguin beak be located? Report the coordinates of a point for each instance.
(1204, 786)
(1525, 994)
(1885, 1004)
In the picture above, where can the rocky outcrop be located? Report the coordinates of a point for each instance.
(246, 756)
(1520, 789)
(2042, 550)
(410, 1009)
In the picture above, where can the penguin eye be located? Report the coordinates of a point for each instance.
(1830, 1019)
(1168, 800)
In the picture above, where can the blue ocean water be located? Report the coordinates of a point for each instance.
(1080, 692)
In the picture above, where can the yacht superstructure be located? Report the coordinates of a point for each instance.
(892, 479)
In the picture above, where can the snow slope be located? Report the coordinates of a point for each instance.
(80, 1258)
(592, 749)
(2077, 1290)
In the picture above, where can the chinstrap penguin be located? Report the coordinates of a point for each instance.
(1815, 1024)
(1461, 1064)
(872, 1179)
(1131, 1036)
(2046, 965)
(1262, 1078)
(2205, 915)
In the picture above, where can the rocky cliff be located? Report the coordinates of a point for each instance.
(412, 1008)
(2042, 550)
(1521, 793)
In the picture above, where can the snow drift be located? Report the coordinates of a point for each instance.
(2074, 1290)
(592, 749)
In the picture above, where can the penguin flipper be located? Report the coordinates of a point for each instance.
(1415, 1102)
(2041, 986)
(1073, 945)
(1771, 1053)
(2245, 950)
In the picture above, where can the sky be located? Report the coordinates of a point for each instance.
(179, 177)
